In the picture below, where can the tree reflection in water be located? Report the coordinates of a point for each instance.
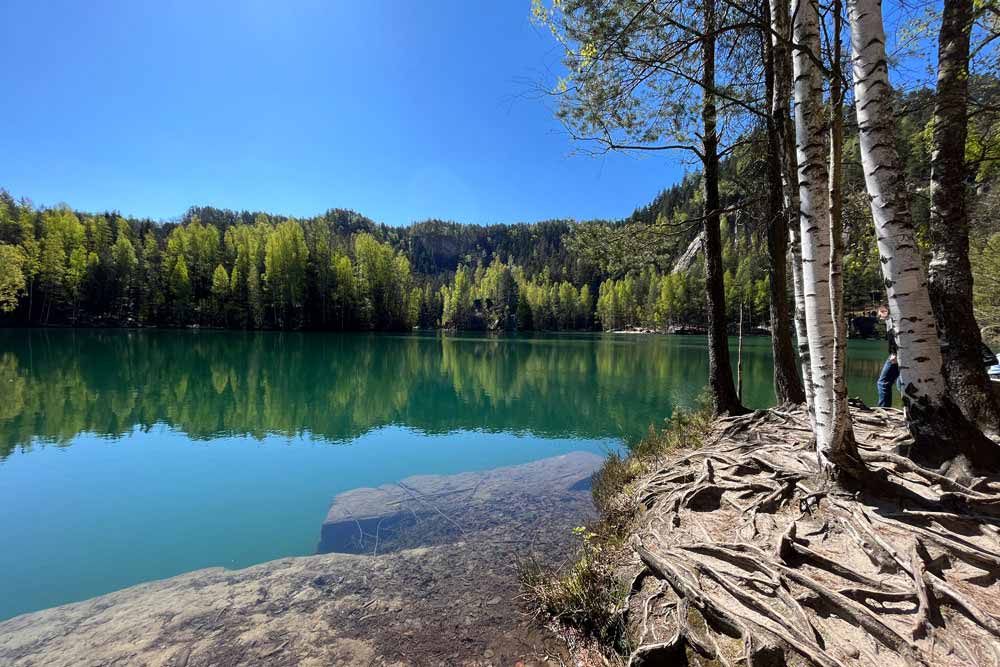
(336, 387)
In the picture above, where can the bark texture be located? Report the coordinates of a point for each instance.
(781, 35)
(834, 442)
(720, 370)
(940, 430)
(842, 431)
(950, 275)
(787, 385)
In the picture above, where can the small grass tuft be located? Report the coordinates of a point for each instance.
(686, 429)
(589, 595)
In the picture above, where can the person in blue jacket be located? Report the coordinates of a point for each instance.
(890, 370)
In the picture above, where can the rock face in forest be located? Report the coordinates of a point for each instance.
(348, 609)
(426, 510)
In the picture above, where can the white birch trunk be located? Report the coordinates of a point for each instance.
(814, 220)
(842, 420)
(940, 430)
(781, 35)
(906, 282)
(801, 328)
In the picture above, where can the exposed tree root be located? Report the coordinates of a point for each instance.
(750, 557)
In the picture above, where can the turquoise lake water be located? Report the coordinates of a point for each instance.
(127, 456)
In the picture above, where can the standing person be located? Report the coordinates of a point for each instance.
(890, 370)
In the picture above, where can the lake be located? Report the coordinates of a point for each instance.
(127, 456)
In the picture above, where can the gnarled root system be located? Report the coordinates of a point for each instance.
(747, 556)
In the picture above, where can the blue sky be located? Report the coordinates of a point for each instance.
(401, 110)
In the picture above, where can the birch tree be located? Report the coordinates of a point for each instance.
(942, 435)
(834, 437)
(781, 66)
(841, 416)
(781, 72)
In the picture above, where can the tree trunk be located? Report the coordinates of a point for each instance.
(842, 420)
(739, 358)
(941, 433)
(720, 370)
(835, 445)
(950, 276)
(801, 330)
(787, 385)
(781, 115)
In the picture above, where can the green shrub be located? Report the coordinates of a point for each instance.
(588, 597)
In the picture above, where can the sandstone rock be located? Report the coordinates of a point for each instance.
(414, 606)
(428, 509)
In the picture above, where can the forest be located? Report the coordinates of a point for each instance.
(842, 158)
(248, 270)
(343, 271)
(714, 250)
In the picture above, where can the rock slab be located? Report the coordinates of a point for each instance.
(426, 510)
(449, 604)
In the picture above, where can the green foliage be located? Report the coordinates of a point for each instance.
(220, 294)
(12, 281)
(341, 271)
(616, 305)
(150, 292)
(179, 288)
(456, 301)
(500, 296)
(525, 320)
(986, 284)
(654, 300)
(498, 292)
(285, 257)
(285, 273)
(385, 284)
(554, 306)
(212, 269)
(343, 293)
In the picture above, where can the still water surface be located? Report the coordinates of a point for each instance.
(127, 456)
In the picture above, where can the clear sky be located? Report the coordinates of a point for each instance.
(402, 110)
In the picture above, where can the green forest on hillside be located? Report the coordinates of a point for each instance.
(343, 271)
